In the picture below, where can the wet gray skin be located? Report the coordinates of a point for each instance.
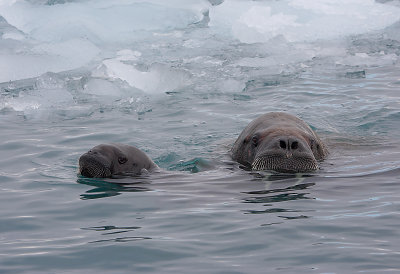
(280, 142)
(106, 160)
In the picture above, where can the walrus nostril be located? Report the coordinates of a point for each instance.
(282, 144)
(294, 145)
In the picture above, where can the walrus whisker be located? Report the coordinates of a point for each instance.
(280, 163)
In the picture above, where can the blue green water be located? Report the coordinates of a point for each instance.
(203, 213)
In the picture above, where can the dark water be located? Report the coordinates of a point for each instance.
(202, 213)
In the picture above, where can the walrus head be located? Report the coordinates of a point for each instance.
(284, 151)
(279, 142)
(99, 163)
(106, 160)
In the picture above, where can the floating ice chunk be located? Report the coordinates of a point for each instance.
(15, 67)
(69, 34)
(102, 87)
(21, 57)
(9, 32)
(259, 20)
(70, 54)
(363, 59)
(101, 21)
(75, 49)
(38, 103)
(157, 79)
(13, 35)
(301, 20)
(231, 85)
(128, 55)
(280, 55)
(47, 57)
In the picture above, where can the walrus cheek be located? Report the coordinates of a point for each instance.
(249, 154)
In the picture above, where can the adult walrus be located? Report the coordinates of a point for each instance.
(106, 160)
(281, 142)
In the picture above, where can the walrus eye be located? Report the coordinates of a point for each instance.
(254, 140)
(312, 144)
(122, 160)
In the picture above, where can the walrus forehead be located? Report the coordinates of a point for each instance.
(106, 150)
(275, 132)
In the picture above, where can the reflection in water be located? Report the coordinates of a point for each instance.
(108, 187)
(294, 187)
(116, 230)
(111, 187)
(111, 227)
(277, 194)
(277, 198)
(122, 240)
(272, 210)
(295, 217)
(276, 176)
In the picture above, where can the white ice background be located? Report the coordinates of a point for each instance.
(157, 46)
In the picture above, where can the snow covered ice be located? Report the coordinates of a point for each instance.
(125, 47)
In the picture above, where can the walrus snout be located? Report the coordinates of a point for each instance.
(87, 172)
(92, 165)
(284, 154)
(290, 145)
(287, 146)
(286, 165)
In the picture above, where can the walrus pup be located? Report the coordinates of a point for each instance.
(106, 160)
(281, 142)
